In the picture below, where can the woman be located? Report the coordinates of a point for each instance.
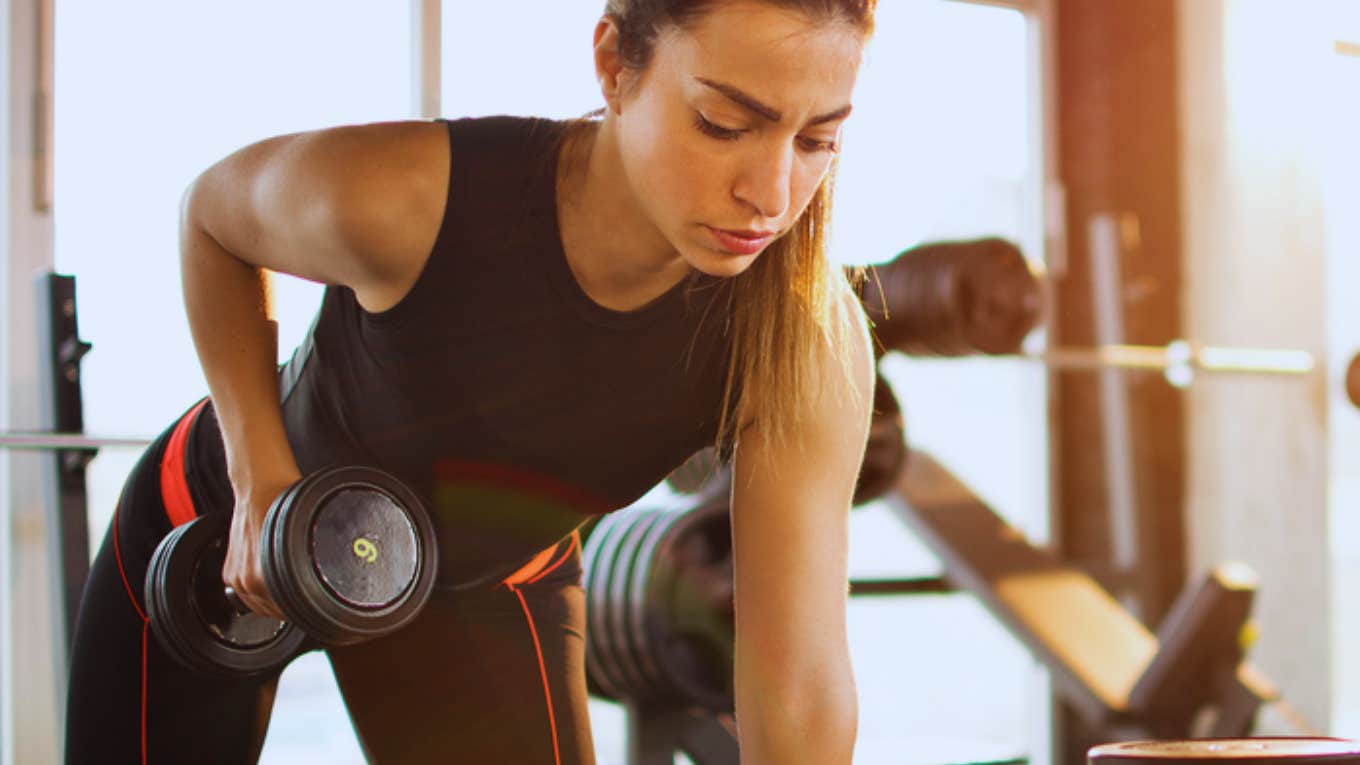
(530, 322)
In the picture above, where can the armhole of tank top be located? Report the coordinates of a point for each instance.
(405, 308)
(291, 371)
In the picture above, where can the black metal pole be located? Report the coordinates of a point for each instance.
(69, 541)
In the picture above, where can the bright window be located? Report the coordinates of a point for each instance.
(941, 146)
(149, 94)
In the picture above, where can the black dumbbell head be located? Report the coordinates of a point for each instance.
(349, 554)
(885, 454)
(630, 561)
(690, 622)
(602, 678)
(191, 617)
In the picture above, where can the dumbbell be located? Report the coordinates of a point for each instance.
(659, 606)
(348, 555)
(953, 299)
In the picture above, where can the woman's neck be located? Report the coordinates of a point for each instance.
(619, 257)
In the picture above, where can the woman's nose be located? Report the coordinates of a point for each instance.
(764, 183)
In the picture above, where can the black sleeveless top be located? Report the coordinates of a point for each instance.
(515, 405)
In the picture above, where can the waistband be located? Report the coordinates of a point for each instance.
(180, 508)
(179, 503)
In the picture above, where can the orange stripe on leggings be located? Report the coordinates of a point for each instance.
(575, 540)
(179, 504)
(543, 672)
(118, 556)
(541, 566)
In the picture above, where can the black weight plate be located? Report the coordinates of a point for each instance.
(647, 621)
(885, 454)
(305, 594)
(393, 593)
(888, 300)
(950, 302)
(696, 474)
(1353, 381)
(628, 560)
(189, 613)
(920, 309)
(602, 607)
(1006, 303)
(364, 548)
(596, 570)
(692, 584)
(275, 571)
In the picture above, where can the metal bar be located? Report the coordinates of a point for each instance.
(37, 441)
(426, 59)
(1109, 237)
(1179, 354)
(935, 585)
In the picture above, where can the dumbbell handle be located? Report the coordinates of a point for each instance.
(235, 601)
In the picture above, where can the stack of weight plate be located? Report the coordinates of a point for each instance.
(659, 606)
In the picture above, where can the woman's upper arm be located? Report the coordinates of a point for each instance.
(358, 205)
(790, 522)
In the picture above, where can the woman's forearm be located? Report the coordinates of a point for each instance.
(227, 305)
(800, 718)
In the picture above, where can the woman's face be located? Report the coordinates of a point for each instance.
(730, 130)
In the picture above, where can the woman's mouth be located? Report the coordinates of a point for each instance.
(741, 242)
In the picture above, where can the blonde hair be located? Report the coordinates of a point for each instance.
(790, 313)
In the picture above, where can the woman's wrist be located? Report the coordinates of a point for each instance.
(259, 472)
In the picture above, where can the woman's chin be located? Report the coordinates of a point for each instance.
(720, 264)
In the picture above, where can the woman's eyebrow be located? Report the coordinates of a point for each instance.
(768, 112)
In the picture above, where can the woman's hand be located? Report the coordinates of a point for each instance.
(242, 570)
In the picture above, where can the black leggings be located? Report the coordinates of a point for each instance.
(489, 675)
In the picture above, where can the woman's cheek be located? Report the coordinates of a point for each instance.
(684, 176)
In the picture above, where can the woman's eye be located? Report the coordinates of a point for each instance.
(715, 131)
(812, 144)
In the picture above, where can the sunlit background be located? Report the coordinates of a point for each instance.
(944, 143)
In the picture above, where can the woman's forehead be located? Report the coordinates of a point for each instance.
(763, 49)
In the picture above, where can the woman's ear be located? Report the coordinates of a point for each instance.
(608, 63)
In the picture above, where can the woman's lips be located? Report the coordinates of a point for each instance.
(741, 242)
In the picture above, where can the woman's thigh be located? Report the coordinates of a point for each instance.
(494, 675)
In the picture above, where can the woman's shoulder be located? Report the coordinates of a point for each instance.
(496, 145)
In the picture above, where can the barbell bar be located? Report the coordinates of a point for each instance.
(1179, 360)
(1179, 355)
(40, 441)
